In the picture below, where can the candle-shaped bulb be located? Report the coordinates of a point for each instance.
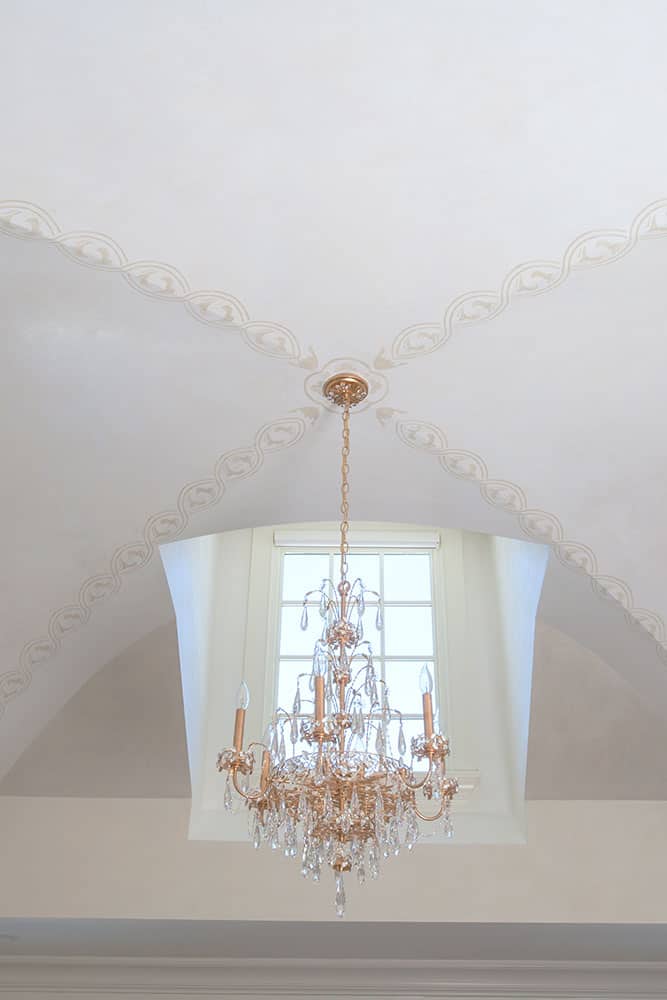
(243, 696)
(426, 680)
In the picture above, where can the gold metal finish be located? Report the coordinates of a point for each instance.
(427, 705)
(319, 699)
(351, 800)
(239, 723)
(345, 388)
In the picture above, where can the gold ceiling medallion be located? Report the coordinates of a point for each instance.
(346, 388)
(350, 800)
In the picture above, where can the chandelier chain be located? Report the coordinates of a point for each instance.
(344, 492)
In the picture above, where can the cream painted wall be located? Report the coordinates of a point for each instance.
(583, 862)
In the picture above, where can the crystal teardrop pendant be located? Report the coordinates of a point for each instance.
(379, 815)
(227, 798)
(340, 895)
(411, 831)
(379, 620)
(447, 825)
(281, 748)
(257, 838)
(296, 707)
(373, 862)
(401, 741)
(304, 617)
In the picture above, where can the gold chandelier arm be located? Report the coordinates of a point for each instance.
(420, 784)
(254, 796)
(432, 819)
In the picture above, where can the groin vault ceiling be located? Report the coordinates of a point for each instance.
(204, 214)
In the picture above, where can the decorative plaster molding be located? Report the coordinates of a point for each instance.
(225, 312)
(237, 464)
(592, 249)
(94, 979)
(538, 525)
(377, 382)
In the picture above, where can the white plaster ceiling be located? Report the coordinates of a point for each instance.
(340, 183)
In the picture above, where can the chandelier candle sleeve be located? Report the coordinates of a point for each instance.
(426, 684)
(242, 702)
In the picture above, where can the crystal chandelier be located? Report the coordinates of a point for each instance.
(347, 802)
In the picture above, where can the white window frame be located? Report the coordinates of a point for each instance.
(373, 540)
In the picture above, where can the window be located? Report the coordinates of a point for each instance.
(404, 578)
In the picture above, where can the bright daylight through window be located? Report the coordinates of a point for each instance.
(403, 579)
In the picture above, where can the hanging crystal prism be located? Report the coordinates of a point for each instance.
(304, 617)
(227, 798)
(401, 741)
(340, 895)
(257, 836)
(373, 861)
(379, 815)
(447, 825)
(411, 831)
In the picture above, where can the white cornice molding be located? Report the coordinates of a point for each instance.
(96, 978)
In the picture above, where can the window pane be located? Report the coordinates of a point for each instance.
(408, 632)
(288, 672)
(402, 677)
(293, 641)
(407, 577)
(365, 566)
(303, 572)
